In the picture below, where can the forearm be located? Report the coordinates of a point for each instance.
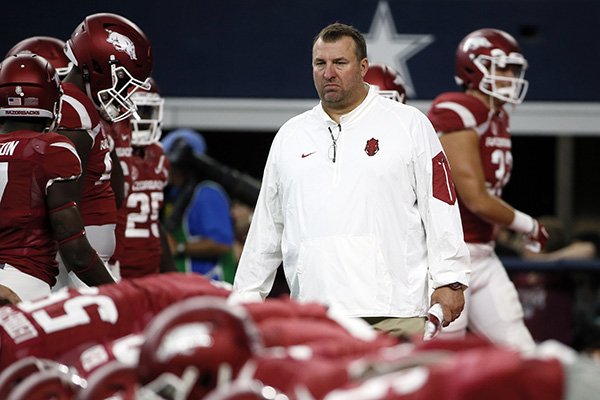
(204, 248)
(166, 257)
(79, 257)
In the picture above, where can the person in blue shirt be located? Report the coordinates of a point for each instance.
(197, 210)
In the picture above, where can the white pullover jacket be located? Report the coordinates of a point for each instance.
(364, 234)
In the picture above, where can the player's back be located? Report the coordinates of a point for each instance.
(29, 163)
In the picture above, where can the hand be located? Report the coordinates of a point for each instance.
(7, 296)
(451, 300)
(536, 240)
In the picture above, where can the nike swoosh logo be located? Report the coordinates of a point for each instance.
(307, 154)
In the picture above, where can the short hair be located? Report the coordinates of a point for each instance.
(337, 30)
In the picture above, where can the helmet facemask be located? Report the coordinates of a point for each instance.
(57, 116)
(392, 95)
(506, 88)
(115, 101)
(148, 128)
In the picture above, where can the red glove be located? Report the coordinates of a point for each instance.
(536, 240)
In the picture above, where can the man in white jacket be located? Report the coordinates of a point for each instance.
(358, 203)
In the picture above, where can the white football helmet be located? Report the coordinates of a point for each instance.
(148, 128)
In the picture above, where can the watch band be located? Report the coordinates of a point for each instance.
(456, 286)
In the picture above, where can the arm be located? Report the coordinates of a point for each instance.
(7, 296)
(117, 179)
(166, 256)
(261, 254)
(200, 248)
(462, 150)
(75, 250)
(447, 253)
(83, 144)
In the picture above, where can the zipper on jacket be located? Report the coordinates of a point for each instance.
(334, 139)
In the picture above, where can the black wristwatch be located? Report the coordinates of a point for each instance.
(456, 286)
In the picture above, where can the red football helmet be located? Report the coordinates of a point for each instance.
(481, 54)
(389, 81)
(15, 373)
(113, 380)
(52, 49)
(56, 382)
(246, 389)
(195, 344)
(148, 128)
(29, 87)
(115, 59)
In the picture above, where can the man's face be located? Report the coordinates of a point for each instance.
(337, 73)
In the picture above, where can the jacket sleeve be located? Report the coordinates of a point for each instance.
(448, 255)
(261, 255)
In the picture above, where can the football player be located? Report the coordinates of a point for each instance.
(68, 324)
(51, 48)
(112, 58)
(474, 129)
(38, 174)
(142, 248)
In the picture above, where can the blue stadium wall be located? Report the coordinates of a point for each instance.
(261, 48)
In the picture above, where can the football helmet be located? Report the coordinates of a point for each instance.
(55, 382)
(481, 54)
(113, 380)
(52, 49)
(29, 87)
(389, 81)
(15, 373)
(115, 59)
(246, 389)
(148, 128)
(195, 345)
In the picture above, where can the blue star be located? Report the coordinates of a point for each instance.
(386, 46)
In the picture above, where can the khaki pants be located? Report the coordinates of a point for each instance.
(398, 327)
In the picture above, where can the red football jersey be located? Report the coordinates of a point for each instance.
(97, 205)
(138, 239)
(120, 133)
(29, 163)
(452, 112)
(69, 322)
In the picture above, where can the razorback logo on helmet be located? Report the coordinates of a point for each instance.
(122, 43)
(443, 185)
(476, 42)
(372, 147)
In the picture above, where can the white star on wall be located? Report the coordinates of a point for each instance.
(386, 46)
